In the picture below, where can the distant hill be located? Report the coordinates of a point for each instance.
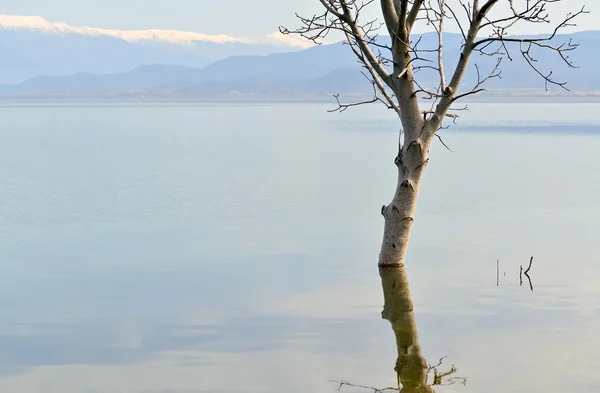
(283, 69)
(32, 46)
(326, 69)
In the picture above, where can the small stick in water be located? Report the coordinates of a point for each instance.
(521, 276)
(497, 272)
(529, 268)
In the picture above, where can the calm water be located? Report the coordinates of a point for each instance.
(226, 248)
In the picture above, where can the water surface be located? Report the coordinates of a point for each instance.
(233, 248)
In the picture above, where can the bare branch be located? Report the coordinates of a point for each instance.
(376, 81)
(451, 115)
(395, 70)
(341, 15)
(439, 137)
(402, 32)
(390, 16)
(487, 8)
(467, 11)
(535, 12)
(378, 89)
(441, 45)
(413, 14)
(330, 8)
(460, 27)
(494, 73)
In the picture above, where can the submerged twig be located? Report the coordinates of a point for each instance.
(497, 272)
(521, 276)
(527, 275)
(529, 268)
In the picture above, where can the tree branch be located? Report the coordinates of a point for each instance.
(390, 16)
(413, 14)
(402, 32)
(358, 35)
(440, 50)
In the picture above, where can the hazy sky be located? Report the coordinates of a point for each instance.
(233, 17)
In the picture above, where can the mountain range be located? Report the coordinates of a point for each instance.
(179, 64)
(30, 46)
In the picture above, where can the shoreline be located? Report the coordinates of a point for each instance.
(32, 101)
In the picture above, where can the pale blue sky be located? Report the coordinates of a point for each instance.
(233, 17)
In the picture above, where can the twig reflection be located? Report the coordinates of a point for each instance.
(526, 275)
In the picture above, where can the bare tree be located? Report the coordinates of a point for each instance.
(394, 69)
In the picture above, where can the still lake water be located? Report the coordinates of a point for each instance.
(233, 248)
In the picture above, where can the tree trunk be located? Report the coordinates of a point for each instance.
(399, 214)
(411, 368)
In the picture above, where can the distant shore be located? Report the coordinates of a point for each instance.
(506, 96)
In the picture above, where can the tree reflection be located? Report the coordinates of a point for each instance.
(414, 374)
(411, 368)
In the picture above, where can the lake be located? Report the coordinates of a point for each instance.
(233, 248)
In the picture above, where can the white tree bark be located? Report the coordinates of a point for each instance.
(412, 158)
(399, 214)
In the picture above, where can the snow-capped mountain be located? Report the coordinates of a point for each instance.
(39, 24)
(31, 46)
